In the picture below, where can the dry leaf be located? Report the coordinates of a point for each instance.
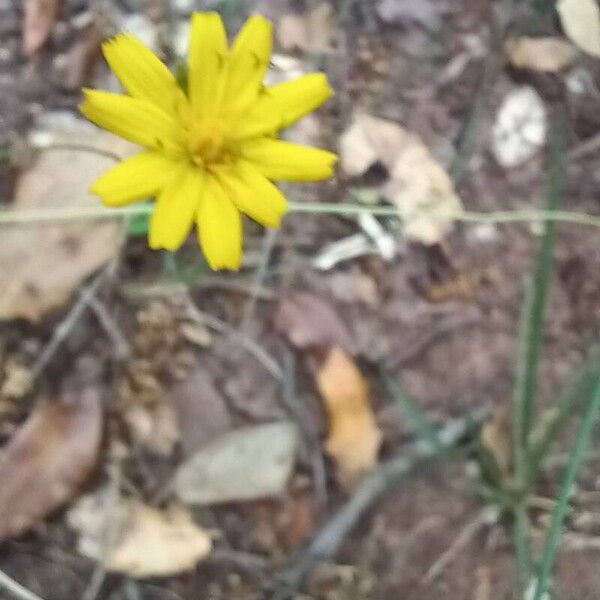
(423, 193)
(369, 140)
(310, 323)
(496, 438)
(520, 127)
(419, 186)
(47, 460)
(38, 21)
(544, 54)
(149, 542)
(41, 266)
(306, 32)
(243, 464)
(581, 21)
(353, 440)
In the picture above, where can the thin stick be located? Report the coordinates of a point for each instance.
(468, 532)
(500, 217)
(378, 484)
(16, 589)
(63, 330)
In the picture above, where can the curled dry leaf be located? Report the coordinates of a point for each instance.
(48, 459)
(581, 21)
(520, 127)
(38, 20)
(147, 542)
(418, 185)
(310, 323)
(353, 440)
(544, 54)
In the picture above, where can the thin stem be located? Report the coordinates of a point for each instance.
(558, 516)
(16, 589)
(51, 215)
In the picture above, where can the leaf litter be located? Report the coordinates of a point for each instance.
(54, 259)
(417, 185)
(48, 459)
(148, 542)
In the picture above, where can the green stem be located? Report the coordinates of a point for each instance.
(558, 516)
(51, 215)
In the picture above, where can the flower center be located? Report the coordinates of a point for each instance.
(209, 143)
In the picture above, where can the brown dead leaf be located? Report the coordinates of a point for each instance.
(544, 54)
(48, 459)
(353, 440)
(41, 266)
(462, 287)
(418, 185)
(310, 323)
(497, 440)
(149, 542)
(39, 19)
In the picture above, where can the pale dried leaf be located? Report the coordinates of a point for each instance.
(581, 21)
(292, 33)
(309, 31)
(353, 439)
(311, 323)
(367, 141)
(39, 18)
(48, 459)
(149, 542)
(520, 127)
(544, 54)
(41, 266)
(244, 464)
(423, 193)
(419, 186)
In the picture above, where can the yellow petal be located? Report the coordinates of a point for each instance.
(285, 103)
(143, 74)
(219, 228)
(285, 161)
(175, 208)
(247, 63)
(135, 178)
(207, 55)
(254, 194)
(134, 119)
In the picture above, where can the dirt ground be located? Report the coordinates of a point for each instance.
(442, 318)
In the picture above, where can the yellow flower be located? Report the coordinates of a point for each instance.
(212, 152)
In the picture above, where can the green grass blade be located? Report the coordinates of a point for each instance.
(578, 389)
(530, 346)
(558, 515)
(535, 303)
(411, 410)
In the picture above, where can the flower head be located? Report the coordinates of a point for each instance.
(211, 151)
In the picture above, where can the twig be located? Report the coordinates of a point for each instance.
(378, 484)
(122, 350)
(55, 215)
(469, 531)
(259, 275)
(63, 330)
(270, 364)
(16, 589)
(311, 439)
